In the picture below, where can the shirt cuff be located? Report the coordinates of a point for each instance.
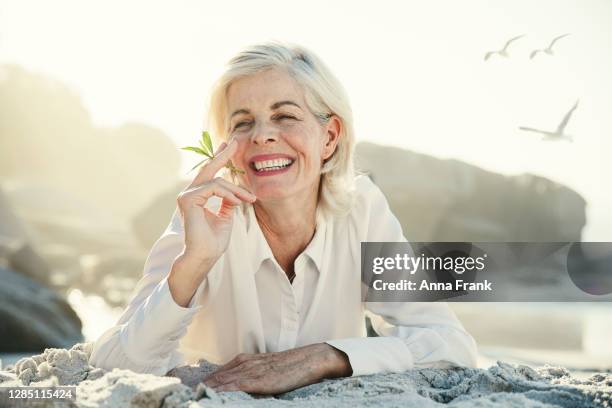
(372, 355)
(155, 328)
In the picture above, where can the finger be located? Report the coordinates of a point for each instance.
(220, 377)
(199, 195)
(227, 195)
(211, 382)
(238, 190)
(198, 179)
(226, 210)
(234, 386)
(221, 147)
(208, 170)
(234, 362)
(222, 374)
(236, 373)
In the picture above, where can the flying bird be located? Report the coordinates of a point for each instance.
(557, 134)
(504, 51)
(548, 50)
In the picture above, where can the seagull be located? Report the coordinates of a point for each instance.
(503, 52)
(557, 134)
(548, 50)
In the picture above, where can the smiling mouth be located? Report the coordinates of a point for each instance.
(271, 165)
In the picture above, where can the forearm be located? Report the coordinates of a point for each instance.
(186, 276)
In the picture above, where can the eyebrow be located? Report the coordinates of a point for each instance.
(274, 106)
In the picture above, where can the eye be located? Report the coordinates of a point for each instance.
(284, 116)
(242, 124)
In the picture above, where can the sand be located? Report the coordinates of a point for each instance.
(501, 385)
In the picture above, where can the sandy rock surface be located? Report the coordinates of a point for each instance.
(498, 386)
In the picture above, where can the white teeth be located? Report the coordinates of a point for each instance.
(275, 164)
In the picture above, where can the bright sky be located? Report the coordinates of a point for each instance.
(414, 72)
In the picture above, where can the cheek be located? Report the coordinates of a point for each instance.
(239, 158)
(307, 144)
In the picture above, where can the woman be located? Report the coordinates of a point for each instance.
(264, 276)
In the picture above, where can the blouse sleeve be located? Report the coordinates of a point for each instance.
(412, 334)
(146, 337)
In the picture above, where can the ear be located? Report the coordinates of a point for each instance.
(333, 130)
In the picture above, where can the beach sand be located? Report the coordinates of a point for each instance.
(500, 385)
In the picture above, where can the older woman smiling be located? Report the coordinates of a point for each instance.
(263, 276)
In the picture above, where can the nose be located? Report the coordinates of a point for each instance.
(263, 135)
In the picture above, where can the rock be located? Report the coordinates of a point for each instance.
(65, 263)
(150, 222)
(124, 388)
(440, 200)
(7, 376)
(15, 244)
(59, 217)
(11, 226)
(192, 375)
(502, 384)
(68, 367)
(113, 275)
(33, 316)
(28, 262)
(449, 200)
(54, 142)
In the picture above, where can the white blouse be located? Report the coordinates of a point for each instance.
(246, 304)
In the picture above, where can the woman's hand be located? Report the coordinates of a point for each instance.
(206, 233)
(275, 373)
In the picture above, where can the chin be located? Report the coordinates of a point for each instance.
(265, 193)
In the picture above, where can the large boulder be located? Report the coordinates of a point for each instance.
(59, 217)
(440, 200)
(15, 248)
(48, 138)
(33, 317)
(449, 200)
(112, 276)
(11, 226)
(150, 222)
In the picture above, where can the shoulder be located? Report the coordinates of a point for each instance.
(371, 217)
(368, 197)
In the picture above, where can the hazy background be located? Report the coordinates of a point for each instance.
(96, 96)
(414, 72)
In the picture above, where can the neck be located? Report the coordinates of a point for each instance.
(288, 225)
(287, 218)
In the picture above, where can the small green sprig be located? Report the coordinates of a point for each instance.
(206, 149)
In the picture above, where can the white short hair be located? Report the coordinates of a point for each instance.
(324, 96)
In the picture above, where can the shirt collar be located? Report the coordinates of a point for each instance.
(260, 250)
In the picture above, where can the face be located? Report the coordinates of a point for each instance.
(281, 144)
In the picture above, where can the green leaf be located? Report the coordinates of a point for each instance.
(207, 142)
(195, 149)
(198, 164)
(202, 144)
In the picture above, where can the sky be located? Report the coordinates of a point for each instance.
(414, 72)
